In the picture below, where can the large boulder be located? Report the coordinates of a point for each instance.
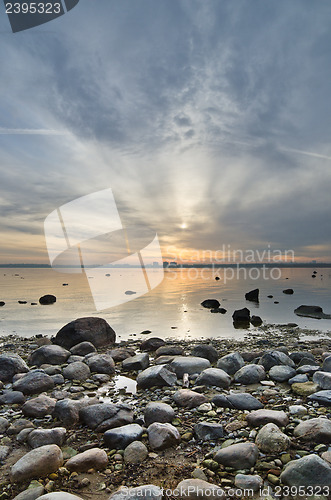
(47, 299)
(122, 436)
(189, 364)
(34, 382)
(205, 351)
(49, 354)
(253, 295)
(241, 316)
(37, 463)
(159, 376)
(311, 312)
(214, 377)
(162, 436)
(239, 456)
(103, 416)
(10, 364)
(310, 470)
(210, 303)
(316, 430)
(273, 358)
(39, 407)
(249, 374)
(231, 363)
(94, 330)
(76, 371)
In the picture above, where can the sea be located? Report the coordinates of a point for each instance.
(170, 310)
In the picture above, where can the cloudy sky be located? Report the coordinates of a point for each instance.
(209, 119)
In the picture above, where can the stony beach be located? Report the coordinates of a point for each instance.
(224, 418)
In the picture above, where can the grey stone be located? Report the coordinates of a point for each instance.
(67, 410)
(37, 463)
(121, 353)
(94, 330)
(308, 369)
(239, 401)
(50, 354)
(299, 355)
(321, 397)
(162, 436)
(310, 470)
(135, 453)
(207, 431)
(158, 412)
(34, 382)
(322, 379)
(215, 377)
(281, 373)
(22, 436)
(100, 363)
(59, 495)
(205, 351)
(30, 493)
(77, 371)
(18, 425)
(4, 452)
(103, 416)
(156, 376)
(316, 430)
(198, 489)
(189, 399)
(273, 358)
(298, 410)
(248, 482)
(82, 348)
(326, 367)
(169, 350)
(137, 362)
(249, 374)
(10, 364)
(94, 458)
(39, 407)
(58, 379)
(231, 363)
(151, 344)
(298, 379)
(74, 358)
(144, 492)
(122, 436)
(189, 364)
(311, 312)
(239, 456)
(12, 397)
(4, 424)
(41, 437)
(270, 439)
(262, 417)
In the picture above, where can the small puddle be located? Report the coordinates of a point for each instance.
(117, 386)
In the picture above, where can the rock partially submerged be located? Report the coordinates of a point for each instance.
(94, 330)
(311, 312)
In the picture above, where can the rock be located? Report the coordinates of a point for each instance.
(322, 379)
(256, 320)
(103, 416)
(83, 348)
(310, 470)
(220, 310)
(100, 363)
(4, 424)
(231, 363)
(327, 364)
(241, 316)
(31, 493)
(199, 474)
(271, 439)
(2, 303)
(274, 358)
(49, 354)
(298, 379)
(137, 362)
(288, 291)
(158, 412)
(121, 353)
(327, 456)
(281, 373)
(206, 351)
(94, 458)
(47, 299)
(42, 437)
(122, 436)
(214, 377)
(304, 389)
(239, 456)
(34, 382)
(321, 397)
(189, 399)
(151, 344)
(262, 417)
(4, 452)
(297, 356)
(12, 398)
(18, 425)
(10, 364)
(210, 304)
(207, 431)
(297, 410)
(253, 295)
(248, 482)
(162, 436)
(59, 495)
(159, 376)
(249, 374)
(94, 330)
(77, 371)
(169, 350)
(39, 407)
(240, 401)
(316, 430)
(197, 489)
(308, 369)
(311, 312)
(37, 463)
(164, 360)
(67, 410)
(189, 364)
(135, 453)
(145, 492)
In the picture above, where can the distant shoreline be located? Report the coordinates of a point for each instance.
(282, 265)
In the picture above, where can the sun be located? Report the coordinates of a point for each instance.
(183, 225)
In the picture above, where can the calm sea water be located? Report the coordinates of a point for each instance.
(170, 310)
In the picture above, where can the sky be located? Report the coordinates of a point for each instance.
(208, 119)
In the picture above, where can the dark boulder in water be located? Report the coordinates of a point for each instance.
(256, 321)
(94, 330)
(47, 299)
(253, 295)
(288, 291)
(151, 344)
(2, 303)
(312, 312)
(241, 315)
(220, 310)
(210, 304)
